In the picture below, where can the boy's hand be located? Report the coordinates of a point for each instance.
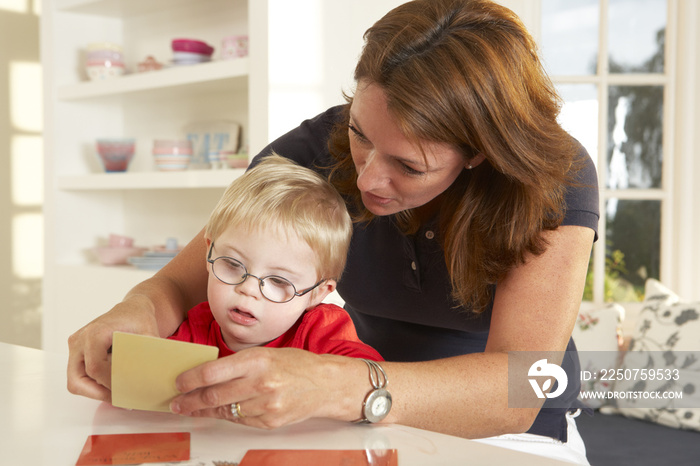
(89, 358)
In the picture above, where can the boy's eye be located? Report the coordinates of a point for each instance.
(232, 264)
(277, 281)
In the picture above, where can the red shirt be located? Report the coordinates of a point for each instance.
(325, 329)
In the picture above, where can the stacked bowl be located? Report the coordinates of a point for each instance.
(116, 153)
(191, 52)
(104, 60)
(119, 251)
(172, 155)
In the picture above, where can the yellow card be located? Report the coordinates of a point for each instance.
(144, 369)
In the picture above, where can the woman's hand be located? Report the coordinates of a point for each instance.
(274, 387)
(89, 359)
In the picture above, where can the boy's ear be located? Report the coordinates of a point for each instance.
(320, 293)
(208, 243)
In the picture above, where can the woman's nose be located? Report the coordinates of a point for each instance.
(370, 174)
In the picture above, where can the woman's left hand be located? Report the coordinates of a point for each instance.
(273, 387)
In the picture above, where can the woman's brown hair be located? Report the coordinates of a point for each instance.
(466, 73)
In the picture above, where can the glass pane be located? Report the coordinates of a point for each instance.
(636, 31)
(570, 36)
(588, 288)
(579, 115)
(635, 124)
(632, 247)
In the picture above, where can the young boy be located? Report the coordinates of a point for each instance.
(277, 243)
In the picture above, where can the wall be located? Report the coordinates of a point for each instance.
(20, 174)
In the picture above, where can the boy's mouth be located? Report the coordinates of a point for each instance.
(242, 317)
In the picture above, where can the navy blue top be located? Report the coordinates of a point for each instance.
(397, 289)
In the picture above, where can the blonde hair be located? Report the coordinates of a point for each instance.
(279, 193)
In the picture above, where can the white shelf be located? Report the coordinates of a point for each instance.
(149, 180)
(232, 73)
(117, 8)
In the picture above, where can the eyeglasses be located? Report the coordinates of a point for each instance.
(273, 287)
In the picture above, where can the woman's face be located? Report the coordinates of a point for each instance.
(393, 174)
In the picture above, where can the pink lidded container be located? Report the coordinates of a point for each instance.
(193, 46)
(234, 47)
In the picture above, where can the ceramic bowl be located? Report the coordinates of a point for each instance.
(116, 153)
(172, 147)
(192, 45)
(104, 60)
(120, 241)
(172, 162)
(117, 255)
(102, 72)
(236, 160)
(190, 57)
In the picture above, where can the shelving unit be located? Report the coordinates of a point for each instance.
(301, 57)
(83, 203)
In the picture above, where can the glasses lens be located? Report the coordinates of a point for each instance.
(277, 289)
(229, 270)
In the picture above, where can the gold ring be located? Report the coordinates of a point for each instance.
(236, 410)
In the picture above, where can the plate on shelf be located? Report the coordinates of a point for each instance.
(149, 263)
(211, 137)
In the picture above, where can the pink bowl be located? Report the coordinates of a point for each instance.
(191, 45)
(167, 147)
(116, 153)
(117, 256)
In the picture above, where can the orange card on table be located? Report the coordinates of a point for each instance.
(320, 458)
(135, 448)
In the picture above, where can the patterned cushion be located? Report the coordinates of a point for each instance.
(666, 339)
(596, 335)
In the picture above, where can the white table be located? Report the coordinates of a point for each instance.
(41, 423)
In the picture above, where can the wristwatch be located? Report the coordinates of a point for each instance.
(377, 403)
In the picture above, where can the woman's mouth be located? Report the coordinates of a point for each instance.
(242, 317)
(374, 199)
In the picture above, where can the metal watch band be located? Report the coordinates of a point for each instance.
(379, 381)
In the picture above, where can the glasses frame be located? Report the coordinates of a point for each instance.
(259, 279)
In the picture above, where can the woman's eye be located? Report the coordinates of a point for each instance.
(411, 171)
(358, 135)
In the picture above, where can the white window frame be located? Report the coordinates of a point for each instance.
(680, 190)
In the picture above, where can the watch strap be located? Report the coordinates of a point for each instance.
(379, 381)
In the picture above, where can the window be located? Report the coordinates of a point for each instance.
(610, 62)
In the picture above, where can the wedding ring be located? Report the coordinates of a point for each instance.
(236, 410)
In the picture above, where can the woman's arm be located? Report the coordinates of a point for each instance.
(535, 309)
(156, 306)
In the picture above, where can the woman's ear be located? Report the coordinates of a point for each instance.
(475, 161)
(320, 293)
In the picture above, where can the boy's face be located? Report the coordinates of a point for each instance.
(245, 316)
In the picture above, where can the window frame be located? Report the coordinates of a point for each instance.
(671, 210)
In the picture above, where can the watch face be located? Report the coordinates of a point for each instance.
(377, 405)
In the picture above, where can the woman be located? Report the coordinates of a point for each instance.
(475, 215)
